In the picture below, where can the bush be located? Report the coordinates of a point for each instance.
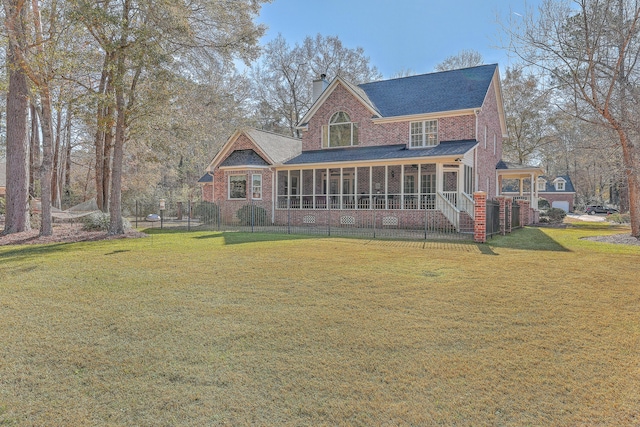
(556, 215)
(543, 204)
(3, 203)
(207, 212)
(619, 218)
(245, 216)
(99, 221)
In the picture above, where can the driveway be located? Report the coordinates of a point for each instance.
(588, 218)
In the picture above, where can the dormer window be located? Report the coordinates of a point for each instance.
(341, 131)
(560, 184)
(424, 134)
(542, 184)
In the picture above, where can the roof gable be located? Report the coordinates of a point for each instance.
(244, 158)
(271, 148)
(354, 90)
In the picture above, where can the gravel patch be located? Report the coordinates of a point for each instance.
(621, 239)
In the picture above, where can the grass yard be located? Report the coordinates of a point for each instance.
(208, 329)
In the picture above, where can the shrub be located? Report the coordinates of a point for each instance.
(543, 220)
(619, 218)
(207, 212)
(2, 205)
(543, 204)
(556, 215)
(99, 221)
(245, 216)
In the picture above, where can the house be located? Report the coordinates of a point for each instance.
(413, 147)
(558, 191)
(515, 181)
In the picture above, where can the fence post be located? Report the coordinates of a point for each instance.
(329, 210)
(218, 214)
(374, 223)
(288, 216)
(426, 220)
(252, 215)
(189, 216)
(136, 214)
(480, 215)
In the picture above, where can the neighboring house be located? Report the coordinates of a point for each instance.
(3, 178)
(515, 181)
(559, 191)
(412, 147)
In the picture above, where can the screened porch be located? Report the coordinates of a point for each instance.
(390, 187)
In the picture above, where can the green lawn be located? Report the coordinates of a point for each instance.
(205, 328)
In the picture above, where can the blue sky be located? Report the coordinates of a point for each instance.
(397, 34)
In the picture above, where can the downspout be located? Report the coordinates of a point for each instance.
(273, 195)
(476, 172)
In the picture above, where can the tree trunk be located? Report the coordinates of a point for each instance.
(34, 150)
(115, 207)
(17, 197)
(55, 167)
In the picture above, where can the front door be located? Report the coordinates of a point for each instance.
(450, 186)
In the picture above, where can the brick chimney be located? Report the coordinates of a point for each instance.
(319, 85)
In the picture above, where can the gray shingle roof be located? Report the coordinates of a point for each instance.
(244, 158)
(206, 178)
(551, 187)
(384, 152)
(431, 93)
(278, 147)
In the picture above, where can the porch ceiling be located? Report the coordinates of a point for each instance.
(445, 149)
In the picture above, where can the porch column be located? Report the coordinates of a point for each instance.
(534, 186)
(386, 187)
(371, 187)
(402, 186)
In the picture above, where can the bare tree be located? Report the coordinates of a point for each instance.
(528, 117)
(464, 59)
(589, 49)
(284, 76)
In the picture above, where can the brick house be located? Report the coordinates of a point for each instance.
(412, 146)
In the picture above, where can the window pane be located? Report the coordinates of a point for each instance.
(340, 117)
(257, 186)
(340, 135)
(416, 134)
(431, 132)
(237, 187)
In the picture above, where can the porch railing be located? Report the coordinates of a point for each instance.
(467, 204)
(448, 209)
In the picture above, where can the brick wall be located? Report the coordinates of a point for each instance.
(489, 119)
(370, 134)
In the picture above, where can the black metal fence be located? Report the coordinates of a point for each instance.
(493, 217)
(515, 215)
(256, 218)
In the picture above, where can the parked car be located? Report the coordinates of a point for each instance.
(152, 218)
(599, 209)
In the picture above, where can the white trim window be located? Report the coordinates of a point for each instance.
(237, 187)
(560, 184)
(542, 184)
(423, 134)
(341, 131)
(256, 186)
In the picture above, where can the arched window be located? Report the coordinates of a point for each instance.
(341, 131)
